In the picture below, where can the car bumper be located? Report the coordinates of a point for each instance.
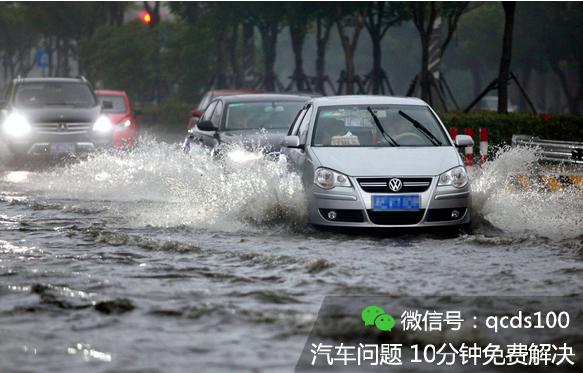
(353, 208)
(39, 145)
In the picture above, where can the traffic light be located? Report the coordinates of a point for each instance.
(147, 18)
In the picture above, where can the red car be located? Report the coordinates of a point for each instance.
(121, 114)
(195, 114)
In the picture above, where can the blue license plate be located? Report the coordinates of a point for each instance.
(409, 202)
(62, 148)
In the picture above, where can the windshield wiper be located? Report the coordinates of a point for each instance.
(421, 128)
(376, 120)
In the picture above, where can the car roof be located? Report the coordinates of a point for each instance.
(366, 99)
(110, 92)
(52, 80)
(232, 92)
(258, 97)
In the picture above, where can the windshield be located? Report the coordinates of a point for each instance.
(53, 94)
(118, 102)
(261, 115)
(355, 126)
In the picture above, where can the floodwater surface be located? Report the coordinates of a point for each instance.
(157, 260)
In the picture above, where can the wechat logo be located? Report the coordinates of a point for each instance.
(373, 315)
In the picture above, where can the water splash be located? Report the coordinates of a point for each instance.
(533, 210)
(157, 184)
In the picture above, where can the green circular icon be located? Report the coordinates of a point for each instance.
(385, 322)
(370, 313)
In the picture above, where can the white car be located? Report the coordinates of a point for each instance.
(374, 161)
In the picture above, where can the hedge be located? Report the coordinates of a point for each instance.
(501, 127)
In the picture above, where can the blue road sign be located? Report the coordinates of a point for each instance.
(41, 58)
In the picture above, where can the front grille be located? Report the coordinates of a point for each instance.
(62, 128)
(444, 214)
(353, 216)
(395, 217)
(381, 185)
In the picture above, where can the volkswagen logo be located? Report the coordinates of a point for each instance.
(395, 185)
(62, 126)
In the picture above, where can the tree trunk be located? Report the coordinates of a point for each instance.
(376, 64)
(425, 81)
(298, 36)
(235, 65)
(506, 59)
(349, 62)
(248, 51)
(220, 78)
(322, 37)
(269, 42)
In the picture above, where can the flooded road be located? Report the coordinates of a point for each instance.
(158, 261)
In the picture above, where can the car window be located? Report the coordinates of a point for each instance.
(257, 115)
(119, 103)
(209, 111)
(39, 94)
(353, 125)
(305, 126)
(296, 123)
(216, 117)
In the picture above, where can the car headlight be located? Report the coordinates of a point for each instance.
(16, 125)
(102, 124)
(328, 179)
(458, 177)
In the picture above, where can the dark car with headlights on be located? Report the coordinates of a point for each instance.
(252, 120)
(53, 116)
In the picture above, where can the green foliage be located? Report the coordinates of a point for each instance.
(501, 127)
(478, 38)
(121, 58)
(186, 61)
(17, 40)
(172, 115)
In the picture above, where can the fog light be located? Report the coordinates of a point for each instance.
(455, 214)
(332, 215)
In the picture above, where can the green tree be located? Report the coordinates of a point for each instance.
(16, 40)
(425, 16)
(349, 16)
(122, 57)
(506, 56)
(560, 33)
(269, 20)
(381, 15)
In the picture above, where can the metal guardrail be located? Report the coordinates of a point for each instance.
(552, 150)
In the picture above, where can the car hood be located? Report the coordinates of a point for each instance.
(270, 140)
(60, 114)
(388, 161)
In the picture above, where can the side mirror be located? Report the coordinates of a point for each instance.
(107, 105)
(463, 140)
(196, 113)
(292, 142)
(206, 125)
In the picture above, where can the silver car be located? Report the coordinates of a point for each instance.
(374, 161)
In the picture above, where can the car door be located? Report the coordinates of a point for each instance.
(205, 137)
